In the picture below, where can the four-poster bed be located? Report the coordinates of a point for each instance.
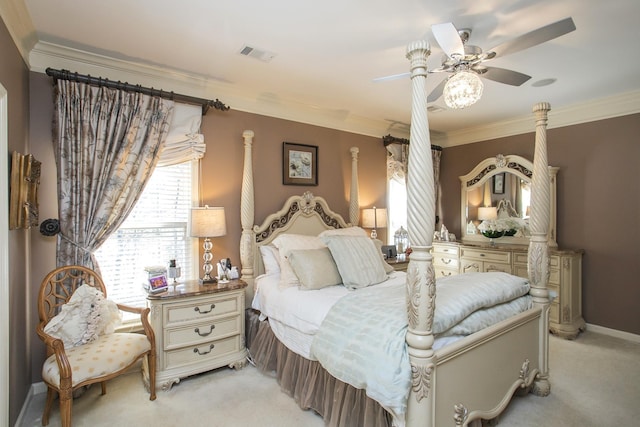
(470, 379)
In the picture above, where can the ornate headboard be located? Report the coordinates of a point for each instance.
(305, 214)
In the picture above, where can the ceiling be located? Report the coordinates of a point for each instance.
(326, 55)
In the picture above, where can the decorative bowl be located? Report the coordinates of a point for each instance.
(493, 234)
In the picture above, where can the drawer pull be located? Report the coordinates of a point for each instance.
(196, 350)
(482, 254)
(204, 312)
(445, 261)
(197, 331)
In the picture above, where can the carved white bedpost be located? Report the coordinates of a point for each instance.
(538, 257)
(247, 208)
(354, 203)
(421, 214)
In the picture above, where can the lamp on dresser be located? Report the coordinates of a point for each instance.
(207, 222)
(373, 218)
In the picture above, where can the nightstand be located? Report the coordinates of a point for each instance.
(198, 328)
(398, 265)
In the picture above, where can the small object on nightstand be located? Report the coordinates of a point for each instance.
(173, 272)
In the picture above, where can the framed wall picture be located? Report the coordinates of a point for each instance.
(299, 164)
(498, 183)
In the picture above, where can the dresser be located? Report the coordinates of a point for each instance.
(198, 328)
(565, 276)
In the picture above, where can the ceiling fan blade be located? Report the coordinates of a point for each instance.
(502, 75)
(449, 40)
(392, 77)
(437, 91)
(535, 37)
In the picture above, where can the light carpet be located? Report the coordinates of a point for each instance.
(595, 382)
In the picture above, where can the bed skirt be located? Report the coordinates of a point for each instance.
(311, 386)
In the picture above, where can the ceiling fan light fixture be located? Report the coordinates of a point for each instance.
(463, 89)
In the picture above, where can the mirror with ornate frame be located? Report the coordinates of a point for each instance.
(500, 188)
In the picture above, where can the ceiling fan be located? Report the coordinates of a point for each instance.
(461, 57)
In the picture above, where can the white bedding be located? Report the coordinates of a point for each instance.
(295, 315)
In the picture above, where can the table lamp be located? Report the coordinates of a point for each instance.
(374, 218)
(207, 222)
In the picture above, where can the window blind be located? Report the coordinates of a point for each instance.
(154, 233)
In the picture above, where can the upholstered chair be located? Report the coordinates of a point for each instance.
(82, 347)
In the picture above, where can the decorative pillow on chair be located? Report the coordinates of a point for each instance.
(357, 259)
(287, 243)
(84, 317)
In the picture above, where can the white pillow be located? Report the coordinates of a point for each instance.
(84, 317)
(287, 243)
(357, 259)
(349, 231)
(388, 268)
(270, 259)
(315, 268)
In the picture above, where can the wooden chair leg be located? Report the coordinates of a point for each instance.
(103, 384)
(65, 409)
(51, 394)
(151, 361)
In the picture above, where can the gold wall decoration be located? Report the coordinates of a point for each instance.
(23, 203)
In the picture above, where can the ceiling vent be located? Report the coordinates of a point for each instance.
(256, 53)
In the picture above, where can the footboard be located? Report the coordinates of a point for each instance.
(477, 376)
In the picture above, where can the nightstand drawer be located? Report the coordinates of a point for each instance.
(202, 353)
(203, 310)
(201, 332)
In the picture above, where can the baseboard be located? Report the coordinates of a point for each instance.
(614, 333)
(36, 388)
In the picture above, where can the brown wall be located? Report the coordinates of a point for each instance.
(14, 76)
(598, 206)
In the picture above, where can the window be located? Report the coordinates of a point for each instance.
(153, 233)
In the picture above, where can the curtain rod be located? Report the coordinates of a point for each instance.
(388, 139)
(99, 81)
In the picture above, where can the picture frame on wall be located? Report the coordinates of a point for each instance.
(299, 164)
(498, 183)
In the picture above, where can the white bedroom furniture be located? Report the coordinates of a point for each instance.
(475, 377)
(565, 276)
(198, 328)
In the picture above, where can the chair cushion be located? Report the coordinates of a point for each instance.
(104, 356)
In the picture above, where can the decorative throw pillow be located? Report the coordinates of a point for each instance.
(357, 259)
(270, 259)
(287, 243)
(84, 317)
(315, 268)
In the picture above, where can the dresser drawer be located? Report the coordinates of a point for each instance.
(486, 255)
(199, 333)
(446, 250)
(203, 353)
(443, 272)
(497, 266)
(445, 261)
(203, 310)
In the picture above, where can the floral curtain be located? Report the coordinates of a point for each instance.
(106, 145)
(397, 166)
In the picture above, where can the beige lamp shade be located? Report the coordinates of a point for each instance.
(487, 213)
(208, 222)
(374, 218)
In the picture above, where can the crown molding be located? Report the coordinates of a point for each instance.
(598, 109)
(18, 22)
(44, 55)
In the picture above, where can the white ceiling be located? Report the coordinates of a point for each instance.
(328, 53)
